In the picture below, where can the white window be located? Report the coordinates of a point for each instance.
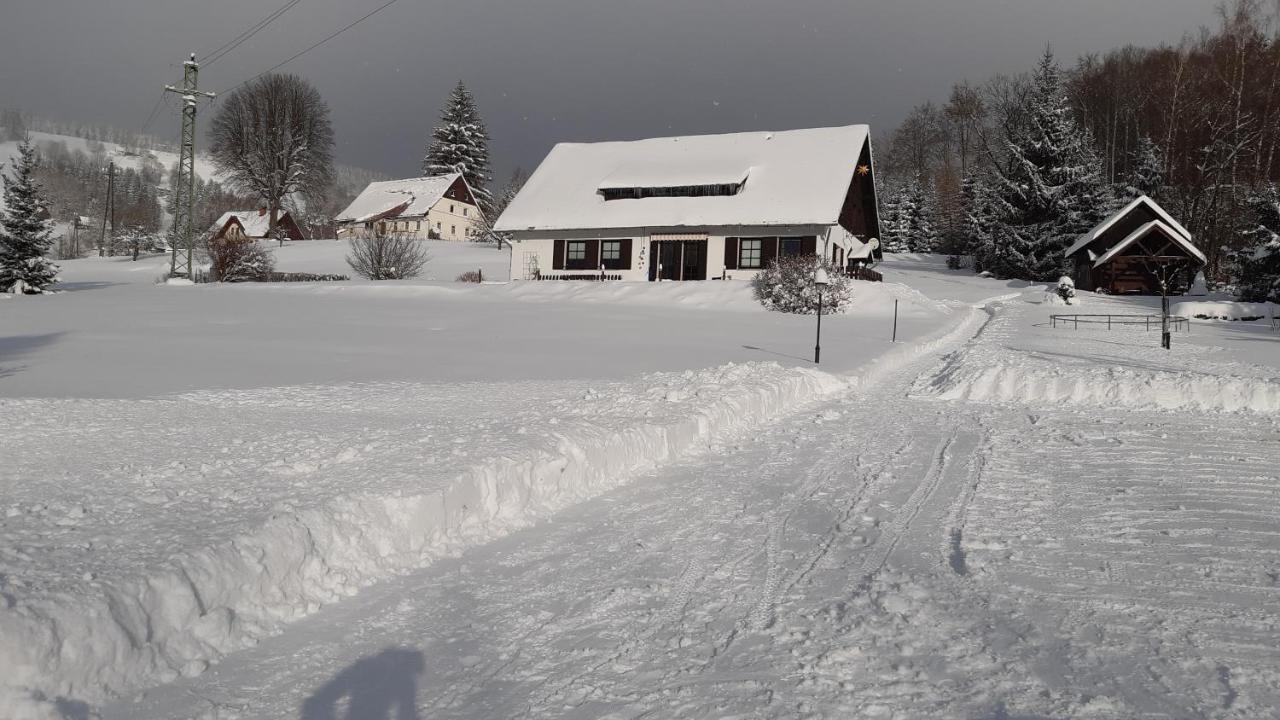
(611, 250)
(417, 225)
(453, 229)
(577, 251)
(466, 212)
(437, 225)
(450, 207)
(749, 253)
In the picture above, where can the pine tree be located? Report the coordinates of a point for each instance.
(499, 205)
(893, 226)
(1146, 176)
(1051, 190)
(981, 213)
(921, 236)
(25, 236)
(1258, 260)
(460, 143)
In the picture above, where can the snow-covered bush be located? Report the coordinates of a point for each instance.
(391, 257)
(787, 286)
(470, 276)
(238, 260)
(1066, 290)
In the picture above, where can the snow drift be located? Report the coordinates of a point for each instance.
(131, 632)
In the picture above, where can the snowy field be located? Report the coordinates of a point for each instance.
(626, 500)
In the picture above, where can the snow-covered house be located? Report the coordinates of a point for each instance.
(1126, 252)
(253, 225)
(439, 207)
(693, 208)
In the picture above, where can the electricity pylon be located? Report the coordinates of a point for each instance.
(184, 192)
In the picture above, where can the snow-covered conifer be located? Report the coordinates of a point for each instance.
(26, 235)
(979, 217)
(1051, 189)
(1146, 176)
(460, 143)
(1258, 260)
(894, 228)
(921, 235)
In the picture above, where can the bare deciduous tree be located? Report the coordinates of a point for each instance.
(272, 138)
(387, 257)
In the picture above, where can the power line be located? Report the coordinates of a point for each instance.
(223, 50)
(375, 11)
(152, 116)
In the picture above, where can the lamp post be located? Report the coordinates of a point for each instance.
(820, 281)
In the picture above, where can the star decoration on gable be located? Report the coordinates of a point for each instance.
(864, 169)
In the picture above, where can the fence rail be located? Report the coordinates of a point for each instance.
(867, 274)
(596, 276)
(1176, 322)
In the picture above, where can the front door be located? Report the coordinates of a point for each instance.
(678, 260)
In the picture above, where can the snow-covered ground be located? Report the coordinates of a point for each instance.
(243, 455)
(542, 515)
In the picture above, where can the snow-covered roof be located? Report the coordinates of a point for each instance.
(255, 225)
(794, 177)
(1088, 238)
(417, 195)
(1177, 237)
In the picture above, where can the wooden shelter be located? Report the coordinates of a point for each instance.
(1135, 251)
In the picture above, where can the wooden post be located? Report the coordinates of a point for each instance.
(895, 321)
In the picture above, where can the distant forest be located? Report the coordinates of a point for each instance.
(1196, 124)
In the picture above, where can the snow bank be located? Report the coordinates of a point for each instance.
(1110, 387)
(1071, 373)
(1224, 310)
(123, 633)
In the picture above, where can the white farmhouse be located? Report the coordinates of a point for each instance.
(695, 208)
(440, 207)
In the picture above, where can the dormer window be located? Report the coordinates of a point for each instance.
(637, 193)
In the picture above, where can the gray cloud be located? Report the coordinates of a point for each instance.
(545, 71)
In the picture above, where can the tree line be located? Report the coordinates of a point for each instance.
(1008, 170)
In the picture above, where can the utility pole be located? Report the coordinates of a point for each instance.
(108, 209)
(180, 265)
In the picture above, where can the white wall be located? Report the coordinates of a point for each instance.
(456, 220)
(539, 248)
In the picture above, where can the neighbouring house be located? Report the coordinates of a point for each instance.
(1131, 250)
(694, 208)
(253, 225)
(441, 207)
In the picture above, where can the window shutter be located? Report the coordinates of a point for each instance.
(593, 254)
(731, 253)
(624, 262)
(809, 245)
(557, 256)
(768, 251)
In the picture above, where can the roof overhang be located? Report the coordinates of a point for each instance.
(1173, 225)
(1154, 226)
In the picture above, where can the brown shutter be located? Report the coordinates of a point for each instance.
(625, 255)
(593, 254)
(808, 245)
(557, 256)
(731, 253)
(768, 251)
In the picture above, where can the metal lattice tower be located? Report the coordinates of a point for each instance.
(184, 200)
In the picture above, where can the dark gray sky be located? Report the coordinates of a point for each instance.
(545, 71)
